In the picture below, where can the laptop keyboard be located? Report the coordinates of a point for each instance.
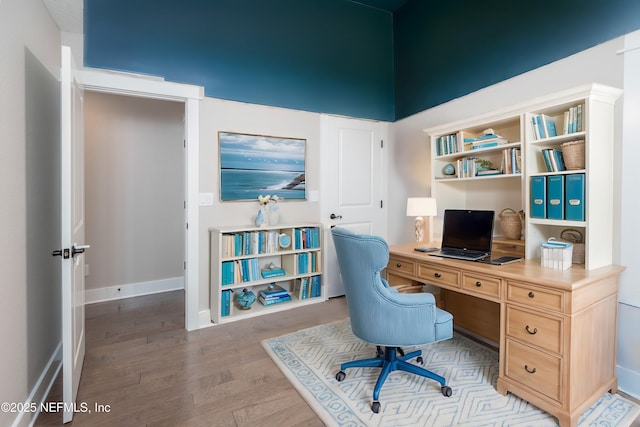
(461, 253)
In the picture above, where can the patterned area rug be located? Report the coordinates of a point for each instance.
(310, 359)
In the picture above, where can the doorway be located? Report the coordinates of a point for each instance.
(135, 196)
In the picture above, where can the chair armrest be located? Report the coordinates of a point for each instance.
(413, 299)
(386, 285)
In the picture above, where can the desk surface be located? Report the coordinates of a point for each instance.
(570, 279)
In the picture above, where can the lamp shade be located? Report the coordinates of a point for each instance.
(421, 206)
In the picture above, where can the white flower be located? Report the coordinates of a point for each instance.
(265, 200)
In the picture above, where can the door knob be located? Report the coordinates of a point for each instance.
(334, 216)
(75, 250)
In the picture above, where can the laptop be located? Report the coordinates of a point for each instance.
(466, 234)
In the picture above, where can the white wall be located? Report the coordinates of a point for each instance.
(629, 314)
(24, 24)
(134, 181)
(219, 115)
(409, 170)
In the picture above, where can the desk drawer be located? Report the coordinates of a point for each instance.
(535, 297)
(439, 276)
(479, 284)
(534, 369)
(532, 328)
(401, 265)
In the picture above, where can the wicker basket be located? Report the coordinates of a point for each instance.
(511, 222)
(574, 236)
(573, 154)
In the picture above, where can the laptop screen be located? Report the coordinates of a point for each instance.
(467, 229)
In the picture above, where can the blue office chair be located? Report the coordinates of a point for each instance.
(384, 317)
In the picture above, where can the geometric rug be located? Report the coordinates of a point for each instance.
(311, 358)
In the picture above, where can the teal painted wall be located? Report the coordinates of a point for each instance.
(447, 49)
(339, 57)
(330, 56)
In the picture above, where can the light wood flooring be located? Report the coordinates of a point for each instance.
(141, 362)
(151, 372)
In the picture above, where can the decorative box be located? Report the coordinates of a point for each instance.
(556, 254)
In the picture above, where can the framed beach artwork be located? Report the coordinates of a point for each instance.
(254, 165)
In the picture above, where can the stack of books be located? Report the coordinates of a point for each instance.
(488, 140)
(273, 295)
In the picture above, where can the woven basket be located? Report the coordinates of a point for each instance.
(573, 154)
(511, 222)
(574, 236)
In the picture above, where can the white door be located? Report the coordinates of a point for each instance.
(72, 180)
(354, 170)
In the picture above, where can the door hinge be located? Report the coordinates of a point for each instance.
(382, 143)
(380, 204)
(184, 143)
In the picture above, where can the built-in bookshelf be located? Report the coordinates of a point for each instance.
(280, 265)
(503, 159)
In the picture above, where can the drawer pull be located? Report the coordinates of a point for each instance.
(531, 294)
(535, 330)
(437, 275)
(398, 265)
(531, 371)
(478, 283)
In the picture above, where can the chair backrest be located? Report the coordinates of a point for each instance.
(361, 259)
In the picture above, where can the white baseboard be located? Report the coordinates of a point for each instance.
(628, 381)
(130, 290)
(204, 319)
(41, 389)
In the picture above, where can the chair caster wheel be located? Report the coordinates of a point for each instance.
(379, 352)
(375, 407)
(340, 376)
(446, 391)
(420, 360)
(401, 352)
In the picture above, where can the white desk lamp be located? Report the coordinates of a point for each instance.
(420, 207)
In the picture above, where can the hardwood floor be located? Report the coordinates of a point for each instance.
(151, 372)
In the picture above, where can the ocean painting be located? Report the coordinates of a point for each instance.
(254, 165)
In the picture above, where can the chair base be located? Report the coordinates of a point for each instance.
(389, 363)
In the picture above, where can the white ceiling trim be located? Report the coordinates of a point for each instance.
(68, 14)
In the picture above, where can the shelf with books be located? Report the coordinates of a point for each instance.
(487, 162)
(581, 192)
(294, 258)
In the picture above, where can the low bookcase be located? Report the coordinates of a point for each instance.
(260, 258)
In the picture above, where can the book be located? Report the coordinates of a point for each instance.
(579, 125)
(541, 132)
(575, 193)
(273, 291)
(557, 154)
(547, 160)
(555, 197)
(274, 300)
(486, 172)
(272, 272)
(538, 197)
(548, 125)
(534, 127)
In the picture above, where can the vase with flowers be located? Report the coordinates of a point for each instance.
(261, 217)
(274, 210)
(269, 211)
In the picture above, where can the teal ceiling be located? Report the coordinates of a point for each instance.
(387, 5)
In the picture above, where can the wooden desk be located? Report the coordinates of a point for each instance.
(556, 329)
